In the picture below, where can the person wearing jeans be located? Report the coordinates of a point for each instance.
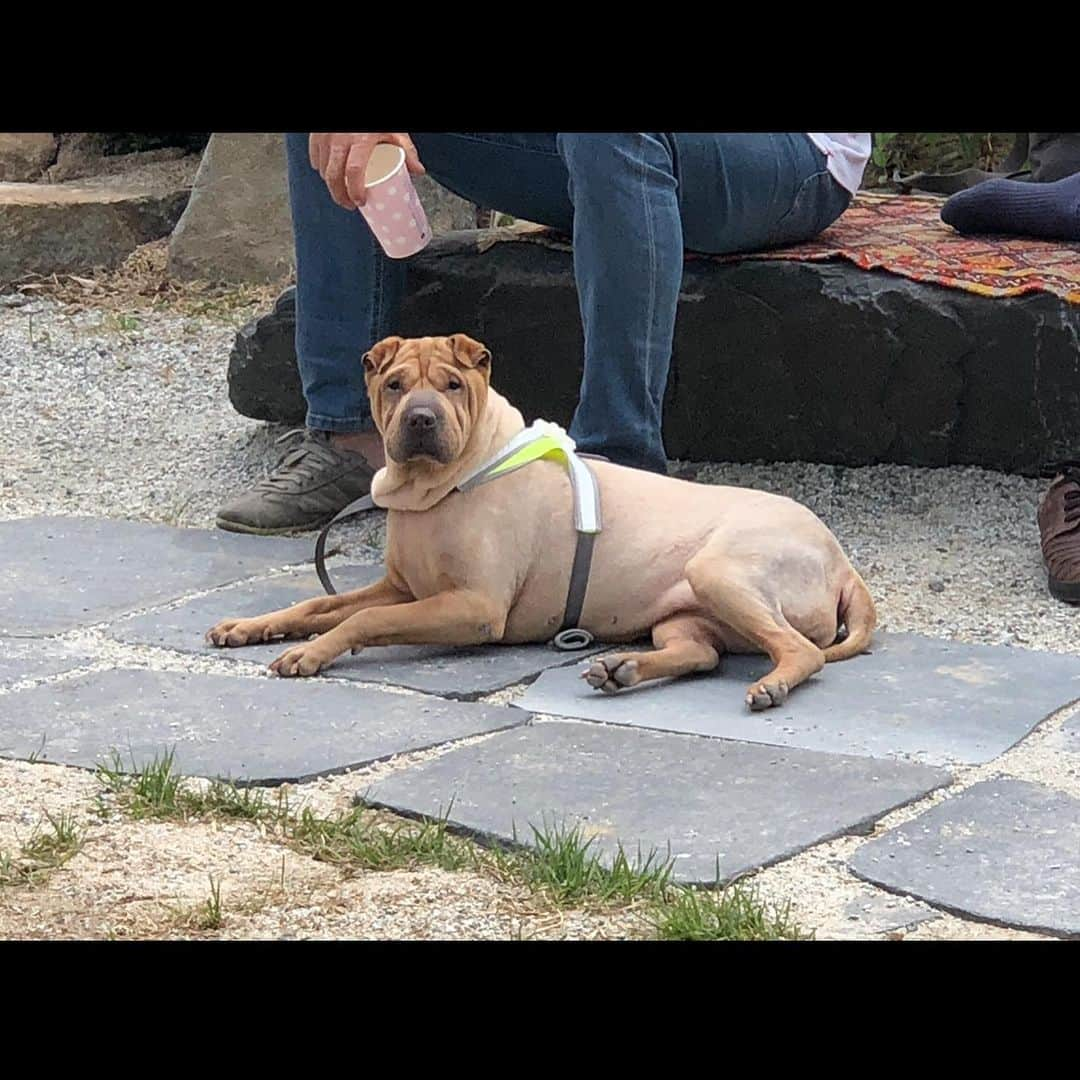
(633, 203)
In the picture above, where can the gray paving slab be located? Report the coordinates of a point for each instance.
(223, 725)
(1003, 851)
(36, 658)
(719, 804)
(1067, 737)
(454, 672)
(874, 913)
(914, 697)
(57, 573)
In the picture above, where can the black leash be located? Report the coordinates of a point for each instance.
(354, 509)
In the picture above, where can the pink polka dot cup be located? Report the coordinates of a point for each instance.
(393, 210)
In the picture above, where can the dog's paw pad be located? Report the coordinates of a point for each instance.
(766, 695)
(611, 674)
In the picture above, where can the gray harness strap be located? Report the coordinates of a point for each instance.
(571, 636)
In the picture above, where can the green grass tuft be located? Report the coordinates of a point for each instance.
(45, 851)
(156, 790)
(735, 913)
(211, 915)
(356, 839)
(560, 864)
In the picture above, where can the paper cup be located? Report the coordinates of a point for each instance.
(393, 211)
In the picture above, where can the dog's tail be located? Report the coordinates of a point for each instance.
(856, 610)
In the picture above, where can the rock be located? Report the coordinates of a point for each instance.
(78, 154)
(64, 228)
(1002, 851)
(24, 155)
(263, 381)
(1054, 155)
(237, 226)
(714, 808)
(446, 212)
(249, 730)
(775, 361)
(984, 700)
(86, 161)
(120, 566)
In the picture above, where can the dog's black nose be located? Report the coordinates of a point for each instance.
(420, 419)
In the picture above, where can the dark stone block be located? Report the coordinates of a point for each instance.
(247, 729)
(773, 360)
(925, 699)
(1003, 851)
(36, 658)
(263, 381)
(1067, 737)
(723, 807)
(57, 573)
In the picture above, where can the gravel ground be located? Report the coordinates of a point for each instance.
(129, 417)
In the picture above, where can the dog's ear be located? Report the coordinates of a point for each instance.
(381, 354)
(469, 353)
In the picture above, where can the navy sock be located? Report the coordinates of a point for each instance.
(1046, 211)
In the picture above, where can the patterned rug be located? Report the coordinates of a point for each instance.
(904, 234)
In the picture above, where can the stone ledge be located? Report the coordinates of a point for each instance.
(773, 360)
(66, 228)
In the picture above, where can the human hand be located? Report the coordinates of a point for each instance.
(341, 159)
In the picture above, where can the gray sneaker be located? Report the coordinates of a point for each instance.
(310, 484)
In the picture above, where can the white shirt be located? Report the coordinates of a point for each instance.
(847, 153)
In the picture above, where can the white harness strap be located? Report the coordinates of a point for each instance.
(545, 440)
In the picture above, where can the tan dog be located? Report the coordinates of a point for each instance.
(705, 569)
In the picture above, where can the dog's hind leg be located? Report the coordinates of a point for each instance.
(314, 616)
(728, 590)
(684, 645)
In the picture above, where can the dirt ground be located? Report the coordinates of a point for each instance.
(159, 879)
(153, 879)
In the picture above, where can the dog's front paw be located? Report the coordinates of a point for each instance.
(232, 633)
(612, 673)
(307, 659)
(764, 695)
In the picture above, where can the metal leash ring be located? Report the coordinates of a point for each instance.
(573, 639)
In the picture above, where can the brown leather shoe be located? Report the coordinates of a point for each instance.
(312, 482)
(1059, 527)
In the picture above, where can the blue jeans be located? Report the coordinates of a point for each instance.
(632, 202)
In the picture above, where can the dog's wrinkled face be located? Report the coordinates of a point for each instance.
(425, 395)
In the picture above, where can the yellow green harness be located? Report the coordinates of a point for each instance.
(543, 440)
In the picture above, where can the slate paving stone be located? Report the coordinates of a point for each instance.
(36, 658)
(874, 913)
(221, 725)
(1067, 737)
(719, 804)
(1003, 851)
(453, 672)
(922, 698)
(57, 573)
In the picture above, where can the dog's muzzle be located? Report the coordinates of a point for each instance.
(420, 433)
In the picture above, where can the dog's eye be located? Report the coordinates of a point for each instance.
(394, 384)
(453, 384)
